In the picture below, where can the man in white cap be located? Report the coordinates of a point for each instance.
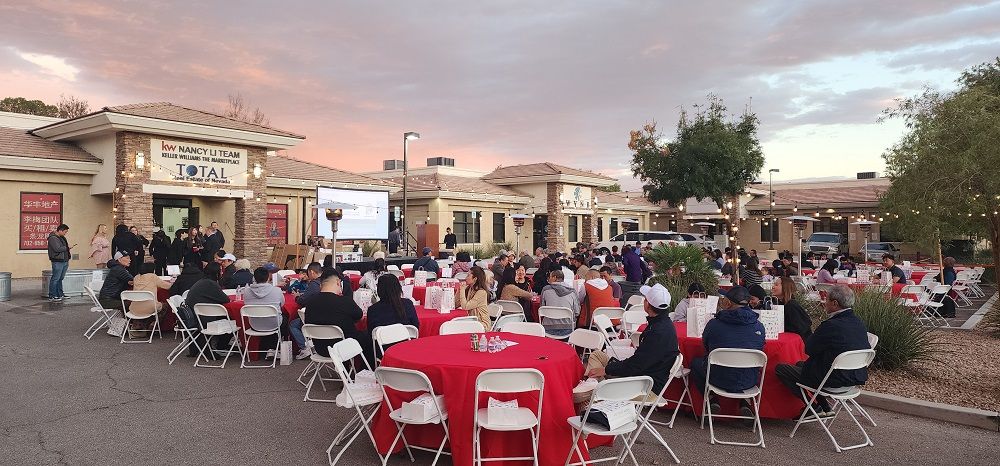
(228, 269)
(119, 279)
(657, 348)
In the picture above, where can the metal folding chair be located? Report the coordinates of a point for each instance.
(623, 389)
(844, 396)
(411, 381)
(104, 315)
(738, 358)
(355, 396)
(507, 381)
(138, 297)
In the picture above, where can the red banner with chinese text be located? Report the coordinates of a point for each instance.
(276, 224)
(40, 214)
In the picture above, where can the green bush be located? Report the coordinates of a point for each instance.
(677, 267)
(902, 340)
(991, 321)
(484, 250)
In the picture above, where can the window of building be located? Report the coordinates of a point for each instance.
(600, 229)
(769, 230)
(613, 227)
(829, 224)
(41, 214)
(466, 227)
(574, 229)
(499, 228)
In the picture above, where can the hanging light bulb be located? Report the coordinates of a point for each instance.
(795, 209)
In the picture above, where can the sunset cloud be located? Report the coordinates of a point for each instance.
(52, 65)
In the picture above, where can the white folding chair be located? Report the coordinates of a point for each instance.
(975, 279)
(104, 315)
(563, 314)
(455, 326)
(510, 307)
(737, 358)
(623, 389)
(215, 328)
(586, 341)
(189, 335)
(364, 399)
(354, 272)
(660, 402)
(461, 276)
(387, 335)
(533, 329)
(611, 312)
(844, 396)
(872, 340)
(960, 286)
(414, 331)
(635, 300)
(932, 303)
(506, 319)
(621, 349)
(392, 268)
(139, 297)
(251, 313)
(507, 381)
(411, 381)
(494, 310)
(678, 372)
(396, 272)
(632, 320)
(317, 363)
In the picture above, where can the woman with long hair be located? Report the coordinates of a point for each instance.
(391, 307)
(100, 247)
(825, 275)
(371, 278)
(796, 318)
(473, 296)
(514, 285)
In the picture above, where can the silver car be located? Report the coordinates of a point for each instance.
(877, 250)
(826, 243)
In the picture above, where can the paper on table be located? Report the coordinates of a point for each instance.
(510, 343)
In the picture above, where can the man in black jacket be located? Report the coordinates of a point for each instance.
(842, 331)
(59, 254)
(119, 279)
(214, 241)
(330, 307)
(208, 291)
(657, 348)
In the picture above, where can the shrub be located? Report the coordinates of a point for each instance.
(991, 321)
(902, 340)
(484, 250)
(679, 266)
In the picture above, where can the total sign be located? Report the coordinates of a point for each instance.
(185, 161)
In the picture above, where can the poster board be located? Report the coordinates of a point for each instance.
(773, 320)
(40, 214)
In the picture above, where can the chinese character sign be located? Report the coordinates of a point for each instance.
(276, 224)
(40, 214)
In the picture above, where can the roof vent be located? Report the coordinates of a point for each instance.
(392, 165)
(440, 162)
(867, 175)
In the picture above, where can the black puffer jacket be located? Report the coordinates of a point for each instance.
(117, 281)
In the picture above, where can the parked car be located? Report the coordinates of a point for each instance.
(876, 250)
(826, 243)
(698, 239)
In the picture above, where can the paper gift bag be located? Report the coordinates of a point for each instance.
(422, 408)
(618, 413)
(773, 320)
(446, 272)
(420, 278)
(408, 291)
(447, 300)
(173, 270)
(700, 311)
(363, 298)
(501, 413)
(432, 298)
(286, 353)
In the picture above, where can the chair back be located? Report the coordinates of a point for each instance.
(352, 272)
(494, 310)
(93, 296)
(461, 276)
(623, 389)
(139, 296)
(454, 327)
(635, 300)
(403, 380)
(737, 357)
(392, 268)
(210, 310)
(510, 307)
(610, 312)
(872, 340)
(632, 320)
(396, 272)
(322, 332)
(230, 291)
(281, 274)
(851, 360)
(251, 311)
(175, 303)
(341, 352)
(510, 381)
(506, 319)
(586, 339)
(302, 314)
(413, 331)
(406, 266)
(387, 335)
(533, 329)
(555, 312)
(604, 324)
(941, 289)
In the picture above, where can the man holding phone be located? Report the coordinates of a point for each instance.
(59, 254)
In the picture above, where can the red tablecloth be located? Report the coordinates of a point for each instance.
(290, 309)
(419, 293)
(430, 320)
(808, 271)
(355, 281)
(777, 401)
(452, 369)
(408, 272)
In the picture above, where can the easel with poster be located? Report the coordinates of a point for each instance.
(700, 311)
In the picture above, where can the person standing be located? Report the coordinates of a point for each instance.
(100, 247)
(59, 253)
(140, 243)
(220, 238)
(159, 248)
(177, 248)
(213, 242)
(395, 237)
(450, 240)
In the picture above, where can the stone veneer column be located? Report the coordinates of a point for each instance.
(588, 229)
(556, 220)
(250, 213)
(131, 206)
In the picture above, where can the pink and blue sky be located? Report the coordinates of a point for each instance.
(508, 82)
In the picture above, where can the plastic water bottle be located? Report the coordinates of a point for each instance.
(482, 344)
(493, 345)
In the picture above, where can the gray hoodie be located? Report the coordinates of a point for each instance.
(264, 293)
(560, 295)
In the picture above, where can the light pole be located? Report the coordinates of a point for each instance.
(406, 139)
(772, 224)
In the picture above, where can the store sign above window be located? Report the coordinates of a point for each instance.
(197, 163)
(577, 200)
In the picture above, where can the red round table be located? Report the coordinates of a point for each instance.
(290, 309)
(777, 402)
(452, 368)
(430, 320)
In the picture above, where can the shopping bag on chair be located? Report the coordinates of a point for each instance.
(700, 311)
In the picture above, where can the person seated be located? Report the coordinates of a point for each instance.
(262, 292)
(514, 286)
(151, 282)
(243, 275)
(825, 275)
(796, 318)
(749, 271)
(727, 267)
(734, 326)
(500, 264)
(391, 308)
(208, 291)
(889, 262)
(841, 331)
(594, 260)
(614, 256)
(657, 349)
(556, 293)
(616, 289)
(463, 263)
(847, 264)
(473, 296)
(118, 279)
(597, 293)
(190, 274)
(578, 264)
(808, 262)
(427, 262)
(526, 260)
(788, 267)
(312, 285)
(541, 278)
(329, 306)
(718, 260)
(370, 278)
(695, 290)
(228, 264)
(758, 298)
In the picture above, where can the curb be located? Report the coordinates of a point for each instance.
(988, 420)
(974, 319)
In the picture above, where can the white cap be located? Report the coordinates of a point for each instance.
(119, 255)
(656, 295)
(229, 257)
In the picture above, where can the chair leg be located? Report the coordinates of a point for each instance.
(125, 329)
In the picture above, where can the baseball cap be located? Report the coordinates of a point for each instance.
(427, 250)
(656, 295)
(271, 267)
(738, 295)
(119, 255)
(229, 257)
(503, 253)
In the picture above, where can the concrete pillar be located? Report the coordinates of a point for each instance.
(587, 235)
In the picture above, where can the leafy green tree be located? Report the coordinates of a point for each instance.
(944, 170)
(614, 188)
(29, 107)
(714, 155)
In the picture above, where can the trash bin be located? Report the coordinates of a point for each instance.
(5, 286)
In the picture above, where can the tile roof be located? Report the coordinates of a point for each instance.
(287, 167)
(824, 195)
(540, 169)
(18, 143)
(452, 183)
(630, 198)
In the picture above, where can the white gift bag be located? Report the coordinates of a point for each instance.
(619, 413)
(285, 351)
(773, 320)
(422, 408)
(432, 297)
(173, 270)
(363, 298)
(700, 311)
(420, 278)
(501, 413)
(447, 300)
(408, 291)
(446, 272)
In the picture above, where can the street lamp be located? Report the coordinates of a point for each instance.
(518, 223)
(406, 139)
(770, 188)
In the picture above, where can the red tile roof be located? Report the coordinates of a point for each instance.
(18, 143)
(540, 169)
(287, 167)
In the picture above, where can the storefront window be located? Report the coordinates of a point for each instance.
(574, 229)
(499, 228)
(769, 230)
(466, 227)
(613, 228)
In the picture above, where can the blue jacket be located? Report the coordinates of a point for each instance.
(635, 270)
(736, 328)
(427, 263)
(840, 333)
(655, 354)
(312, 289)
